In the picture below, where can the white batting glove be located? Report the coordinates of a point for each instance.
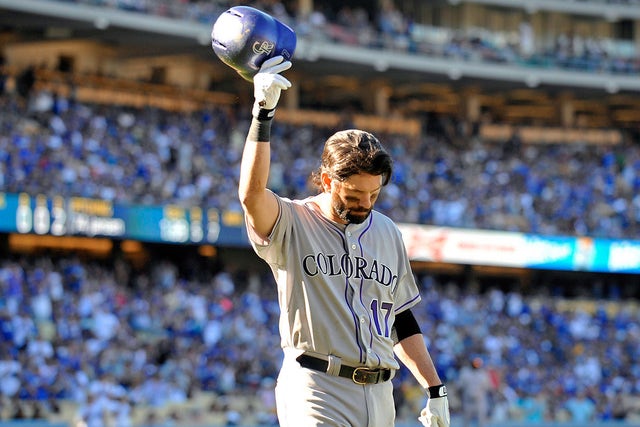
(268, 84)
(436, 412)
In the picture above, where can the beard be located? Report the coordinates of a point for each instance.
(349, 215)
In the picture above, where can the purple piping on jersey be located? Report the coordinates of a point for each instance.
(399, 309)
(347, 300)
(356, 325)
(364, 231)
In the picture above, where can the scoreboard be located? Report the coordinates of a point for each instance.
(78, 216)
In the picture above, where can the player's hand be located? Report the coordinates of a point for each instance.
(436, 413)
(268, 84)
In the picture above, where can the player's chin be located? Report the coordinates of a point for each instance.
(358, 217)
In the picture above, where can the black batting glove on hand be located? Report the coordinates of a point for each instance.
(436, 413)
(267, 86)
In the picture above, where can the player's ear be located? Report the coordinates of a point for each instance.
(326, 180)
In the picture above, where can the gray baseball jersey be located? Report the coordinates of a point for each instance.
(339, 288)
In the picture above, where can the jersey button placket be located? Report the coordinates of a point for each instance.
(352, 245)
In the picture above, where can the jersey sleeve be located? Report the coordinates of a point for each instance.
(408, 294)
(272, 248)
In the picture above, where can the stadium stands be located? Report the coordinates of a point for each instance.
(55, 145)
(389, 27)
(113, 343)
(162, 343)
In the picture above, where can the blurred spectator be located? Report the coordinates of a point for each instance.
(475, 388)
(581, 408)
(532, 407)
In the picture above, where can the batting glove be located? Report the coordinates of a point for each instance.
(436, 412)
(268, 84)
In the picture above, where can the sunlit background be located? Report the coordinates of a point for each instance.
(129, 294)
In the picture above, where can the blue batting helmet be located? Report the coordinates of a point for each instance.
(244, 37)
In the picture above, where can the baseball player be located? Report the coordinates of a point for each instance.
(345, 286)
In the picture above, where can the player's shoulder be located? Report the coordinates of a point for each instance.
(299, 207)
(282, 200)
(385, 226)
(382, 219)
(299, 204)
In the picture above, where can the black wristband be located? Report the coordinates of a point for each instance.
(264, 114)
(260, 130)
(437, 391)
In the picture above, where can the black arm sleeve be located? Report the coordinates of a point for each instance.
(406, 325)
(260, 130)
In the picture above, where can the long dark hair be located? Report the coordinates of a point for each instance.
(352, 151)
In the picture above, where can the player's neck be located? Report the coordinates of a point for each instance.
(322, 203)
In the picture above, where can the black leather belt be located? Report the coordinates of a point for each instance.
(359, 375)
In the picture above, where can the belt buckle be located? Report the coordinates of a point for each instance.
(359, 375)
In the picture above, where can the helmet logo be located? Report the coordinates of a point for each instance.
(263, 47)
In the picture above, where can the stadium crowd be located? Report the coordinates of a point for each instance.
(448, 176)
(389, 28)
(112, 340)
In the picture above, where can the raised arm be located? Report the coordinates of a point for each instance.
(259, 204)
